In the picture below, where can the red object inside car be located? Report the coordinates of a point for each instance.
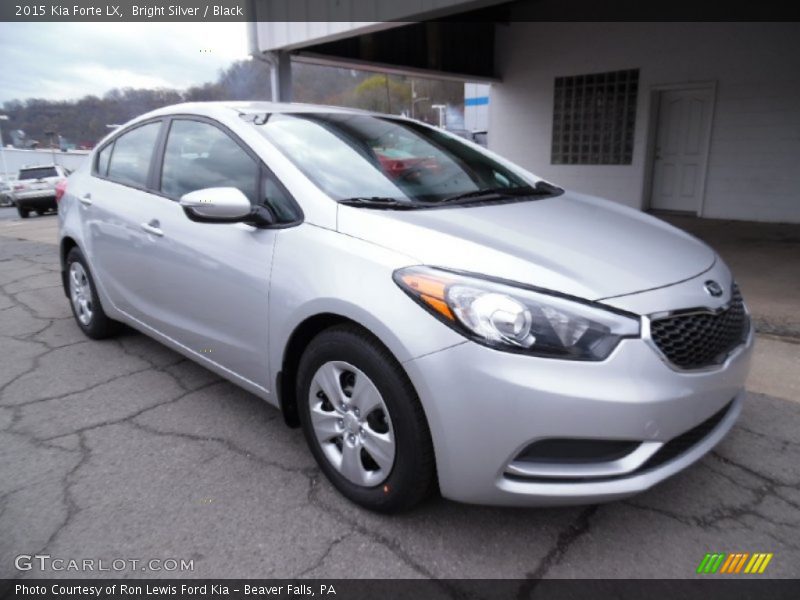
(400, 167)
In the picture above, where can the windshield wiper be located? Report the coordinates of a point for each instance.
(388, 203)
(541, 188)
(379, 202)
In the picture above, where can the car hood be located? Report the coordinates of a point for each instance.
(574, 244)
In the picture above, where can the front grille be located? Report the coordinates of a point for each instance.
(702, 339)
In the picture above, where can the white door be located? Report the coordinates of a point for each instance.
(682, 138)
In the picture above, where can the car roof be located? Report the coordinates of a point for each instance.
(255, 107)
(230, 109)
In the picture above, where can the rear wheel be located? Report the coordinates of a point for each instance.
(23, 212)
(40, 212)
(363, 421)
(84, 301)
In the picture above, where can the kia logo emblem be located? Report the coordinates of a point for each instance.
(713, 288)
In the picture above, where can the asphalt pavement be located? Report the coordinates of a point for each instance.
(123, 449)
(7, 213)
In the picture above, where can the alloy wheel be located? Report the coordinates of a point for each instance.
(351, 423)
(80, 290)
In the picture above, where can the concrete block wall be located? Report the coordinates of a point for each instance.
(754, 159)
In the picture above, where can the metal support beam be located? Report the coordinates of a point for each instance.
(280, 76)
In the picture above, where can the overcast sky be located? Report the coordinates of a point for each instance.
(70, 60)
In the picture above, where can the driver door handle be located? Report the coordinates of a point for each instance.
(152, 228)
(86, 199)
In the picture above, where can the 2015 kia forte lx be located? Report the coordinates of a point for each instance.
(430, 313)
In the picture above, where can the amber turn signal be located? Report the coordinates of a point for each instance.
(431, 290)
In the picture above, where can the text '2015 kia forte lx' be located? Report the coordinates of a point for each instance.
(430, 313)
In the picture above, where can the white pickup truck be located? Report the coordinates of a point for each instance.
(35, 188)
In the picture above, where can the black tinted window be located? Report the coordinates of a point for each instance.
(130, 161)
(102, 160)
(199, 155)
(39, 173)
(278, 199)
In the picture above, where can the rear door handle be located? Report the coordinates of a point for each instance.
(86, 199)
(152, 228)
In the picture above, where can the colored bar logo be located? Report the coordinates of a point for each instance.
(734, 563)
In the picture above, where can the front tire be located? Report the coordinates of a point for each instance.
(85, 303)
(363, 421)
(23, 212)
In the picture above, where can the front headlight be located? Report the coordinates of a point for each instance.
(518, 319)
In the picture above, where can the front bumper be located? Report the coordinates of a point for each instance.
(485, 406)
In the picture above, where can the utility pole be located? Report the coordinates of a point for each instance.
(50, 134)
(414, 99)
(3, 149)
(441, 108)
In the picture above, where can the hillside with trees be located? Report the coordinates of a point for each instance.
(84, 121)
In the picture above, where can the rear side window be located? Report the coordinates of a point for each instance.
(39, 173)
(130, 161)
(102, 160)
(199, 155)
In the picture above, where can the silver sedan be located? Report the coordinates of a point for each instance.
(432, 315)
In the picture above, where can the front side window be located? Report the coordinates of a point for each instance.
(278, 200)
(364, 156)
(130, 160)
(199, 155)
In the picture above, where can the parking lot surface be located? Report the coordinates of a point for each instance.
(124, 449)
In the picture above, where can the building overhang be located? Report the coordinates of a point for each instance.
(443, 39)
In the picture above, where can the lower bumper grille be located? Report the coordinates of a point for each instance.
(686, 441)
(671, 450)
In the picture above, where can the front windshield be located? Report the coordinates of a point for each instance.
(364, 156)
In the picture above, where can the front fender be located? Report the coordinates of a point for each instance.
(319, 271)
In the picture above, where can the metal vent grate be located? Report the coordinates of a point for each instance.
(702, 339)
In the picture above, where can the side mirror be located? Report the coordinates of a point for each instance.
(223, 205)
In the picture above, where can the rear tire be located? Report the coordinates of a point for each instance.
(84, 301)
(40, 212)
(383, 459)
(23, 212)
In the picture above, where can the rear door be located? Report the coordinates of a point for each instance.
(117, 211)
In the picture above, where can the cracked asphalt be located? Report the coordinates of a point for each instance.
(124, 449)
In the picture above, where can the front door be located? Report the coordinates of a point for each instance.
(213, 278)
(682, 138)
